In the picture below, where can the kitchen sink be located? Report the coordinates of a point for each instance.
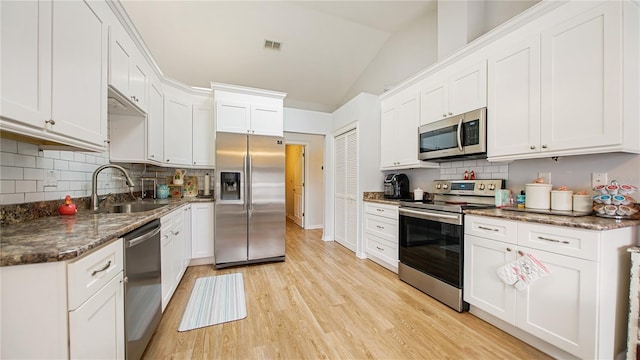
(130, 208)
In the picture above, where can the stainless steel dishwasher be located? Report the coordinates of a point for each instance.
(143, 291)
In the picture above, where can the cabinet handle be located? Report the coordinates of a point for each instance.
(544, 146)
(486, 228)
(380, 227)
(105, 267)
(379, 248)
(381, 210)
(444, 115)
(520, 253)
(167, 160)
(152, 156)
(553, 240)
(532, 147)
(176, 233)
(508, 249)
(50, 121)
(450, 113)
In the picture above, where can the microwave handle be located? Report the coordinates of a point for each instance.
(459, 134)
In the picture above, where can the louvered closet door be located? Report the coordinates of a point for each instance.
(346, 175)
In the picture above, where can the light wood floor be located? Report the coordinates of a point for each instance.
(323, 302)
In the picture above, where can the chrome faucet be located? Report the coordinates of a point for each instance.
(94, 183)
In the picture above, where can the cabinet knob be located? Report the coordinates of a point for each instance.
(508, 249)
(152, 156)
(532, 147)
(444, 115)
(544, 146)
(450, 113)
(167, 160)
(50, 121)
(194, 163)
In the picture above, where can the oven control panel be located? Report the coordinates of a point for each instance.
(485, 187)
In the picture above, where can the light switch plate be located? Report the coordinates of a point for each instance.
(50, 178)
(598, 179)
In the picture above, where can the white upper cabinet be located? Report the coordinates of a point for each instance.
(54, 68)
(203, 143)
(444, 95)
(155, 122)
(247, 110)
(232, 116)
(514, 99)
(128, 72)
(561, 89)
(582, 81)
(79, 93)
(399, 121)
(25, 63)
(178, 119)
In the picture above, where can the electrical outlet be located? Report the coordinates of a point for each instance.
(546, 176)
(598, 179)
(50, 178)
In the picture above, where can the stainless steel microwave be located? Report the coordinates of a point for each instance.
(460, 136)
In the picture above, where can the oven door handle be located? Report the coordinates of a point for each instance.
(452, 219)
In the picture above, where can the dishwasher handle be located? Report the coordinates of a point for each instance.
(135, 241)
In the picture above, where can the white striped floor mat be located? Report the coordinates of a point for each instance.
(215, 300)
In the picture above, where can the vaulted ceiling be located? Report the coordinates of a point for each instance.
(325, 45)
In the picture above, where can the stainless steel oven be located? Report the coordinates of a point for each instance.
(432, 238)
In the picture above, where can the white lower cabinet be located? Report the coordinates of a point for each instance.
(575, 308)
(64, 310)
(96, 328)
(174, 250)
(202, 230)
(381, 234)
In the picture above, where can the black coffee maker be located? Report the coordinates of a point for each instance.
(396, 186)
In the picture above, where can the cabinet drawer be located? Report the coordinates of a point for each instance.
(382, 226)
(90, 273)
(581, 244)
(388, 211)
(491, 228)
(382, 249)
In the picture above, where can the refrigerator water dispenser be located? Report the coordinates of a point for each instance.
(230, 185)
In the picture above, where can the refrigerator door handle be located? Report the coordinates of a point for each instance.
(249, 182)
(244, 168)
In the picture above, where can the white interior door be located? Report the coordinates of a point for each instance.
(298, 186)
(346, 183)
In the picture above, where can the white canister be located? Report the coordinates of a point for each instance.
(561, 200)
(418, 194)
(582, 203)
(538, 196)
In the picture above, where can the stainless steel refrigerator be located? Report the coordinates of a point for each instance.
(250, 199)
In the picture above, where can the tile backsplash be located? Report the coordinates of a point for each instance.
(25, 173)
(483, 169)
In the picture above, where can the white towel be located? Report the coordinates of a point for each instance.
(522, 271)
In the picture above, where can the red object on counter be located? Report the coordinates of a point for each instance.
(466, 175)
(472, 175)
(68, 208)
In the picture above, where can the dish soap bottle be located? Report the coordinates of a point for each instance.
(68, 208)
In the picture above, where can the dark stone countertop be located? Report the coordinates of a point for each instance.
(582, 222)
(60, 238)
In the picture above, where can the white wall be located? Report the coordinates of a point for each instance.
(405, 53)
(307, 122)
(315, 179)
(575, 171)
(363, 112)
(497, 12)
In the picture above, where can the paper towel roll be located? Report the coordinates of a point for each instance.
(207, 184)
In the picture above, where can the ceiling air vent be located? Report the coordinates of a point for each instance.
(273, 45)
